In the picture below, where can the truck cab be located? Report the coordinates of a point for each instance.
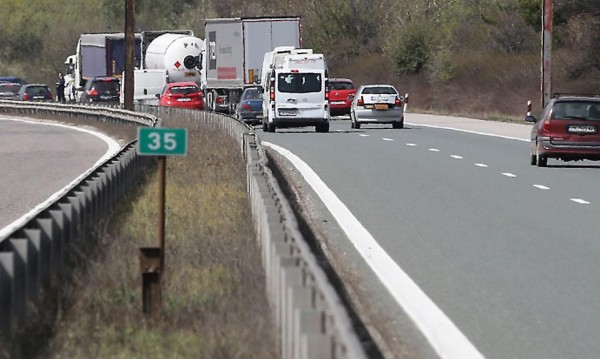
(296, 94)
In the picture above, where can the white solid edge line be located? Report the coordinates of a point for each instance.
(469, 131)
(443, 335)
(580, 201)
(113, 148)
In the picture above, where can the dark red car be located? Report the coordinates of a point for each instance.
(568, 129)
(341, 94)
(182, 94)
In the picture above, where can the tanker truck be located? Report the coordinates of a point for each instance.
(167, 56)
(180, 54)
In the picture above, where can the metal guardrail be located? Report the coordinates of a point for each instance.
(311, 318)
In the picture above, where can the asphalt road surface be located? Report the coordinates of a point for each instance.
(507, 252)
(38, 159)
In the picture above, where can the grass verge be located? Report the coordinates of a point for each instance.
(213, 296)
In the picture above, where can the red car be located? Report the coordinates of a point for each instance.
(341, 94)
(182, 94)
(568, 129)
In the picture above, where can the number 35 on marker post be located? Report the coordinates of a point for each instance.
(162, 141)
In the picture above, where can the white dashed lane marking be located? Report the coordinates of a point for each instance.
(483, 165)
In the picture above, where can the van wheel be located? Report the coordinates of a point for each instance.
(322, 128)
(271, 127)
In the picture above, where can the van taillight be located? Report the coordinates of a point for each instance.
(272, 91)
(327, 90)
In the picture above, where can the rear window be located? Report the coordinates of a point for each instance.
(299, 82)
(14, 88)
(379, 91)
(37, 91)
(335, 85)
(184, 90)
(101, 85)
(576, 109)
(252, 95)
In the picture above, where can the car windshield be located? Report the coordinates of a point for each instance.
(380, 90)
(299, 82)
(576, 110)
(184, 90)
(252, 94)
(341, 85)
(106, 85)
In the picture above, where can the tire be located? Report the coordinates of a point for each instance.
(532, 159)
(265, 127)
(357, 125)
(322, 128)
(399, 124)
(271, 127)
(542, 161)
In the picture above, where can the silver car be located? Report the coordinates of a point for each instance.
(377, 103)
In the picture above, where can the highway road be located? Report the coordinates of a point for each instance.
(38, 160)
(507, 253)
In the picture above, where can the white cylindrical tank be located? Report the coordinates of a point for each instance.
(180, 55)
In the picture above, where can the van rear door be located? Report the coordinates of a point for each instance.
(300, 94)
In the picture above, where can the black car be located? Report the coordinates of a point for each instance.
(35, 92)
(568, 129)
(102, 89)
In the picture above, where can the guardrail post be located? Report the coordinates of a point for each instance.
(20, 278)
(6, 293)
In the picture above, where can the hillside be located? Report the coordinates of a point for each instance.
(478, 57)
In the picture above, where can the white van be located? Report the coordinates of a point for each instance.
(297, 94)
(148, 83)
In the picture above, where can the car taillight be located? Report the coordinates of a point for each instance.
(93, 92)
(360, 102)
(247, 107)
(546, 127)
(220, 99)
(398, 102)
(25, 96)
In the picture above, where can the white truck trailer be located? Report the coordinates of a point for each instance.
(235, 49)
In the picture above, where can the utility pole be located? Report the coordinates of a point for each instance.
(546, 85)
(129, 53)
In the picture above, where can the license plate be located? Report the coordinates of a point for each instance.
(105, 97)
(581, 129)
(381, 106)
(338, 102)
(186, 99)
(288, 112)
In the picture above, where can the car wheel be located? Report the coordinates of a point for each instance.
(357, 125)
(532, 159)
(542, 161)
(399, 124)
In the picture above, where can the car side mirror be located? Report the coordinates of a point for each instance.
(530, 119)
(157, 95)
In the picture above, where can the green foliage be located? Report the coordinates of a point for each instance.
(412, 49)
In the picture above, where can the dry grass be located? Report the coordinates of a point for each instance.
(213, 295)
